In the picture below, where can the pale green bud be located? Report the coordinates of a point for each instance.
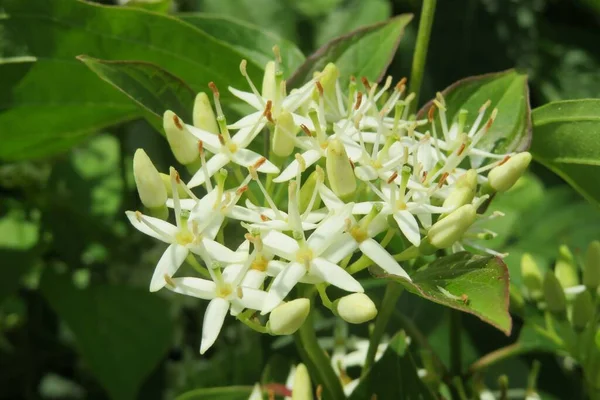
(532, 276)
(583, 310)
(463, 191)
(204, 115)
(448, 230)
(282, 143)
(554, 294)
(504, 176)
(302, 388)
(565, 268)
(339, 169)
(147, 180)
(356, 308)
(183, 144)
(327, 79)
(591, 269)
(288, 317)
(166, 180)
(308, 189)
(269, 83)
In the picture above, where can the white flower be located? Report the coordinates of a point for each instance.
(305, 254)
(182, 238)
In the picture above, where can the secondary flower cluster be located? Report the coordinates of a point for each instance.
(304, 184)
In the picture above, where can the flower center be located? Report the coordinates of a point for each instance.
(184, 237)
(304, 256)
(360, 235)
(232, 146)
(224, 290)
(259, 264)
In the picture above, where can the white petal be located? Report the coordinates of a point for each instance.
(244, 247)
(248, 97)
(185, 204)
(243, 214)
(300, 120)
(365, 207)
(334, 274)
(316, 216)
(247, 158)
(210, 141)
(247, 122)
(204, 207)
(382, 258)
(252, 298)
(366, 173)
(168, 229)
(246, 135)
(281, 245)
(195, 287)
(221, 253)
(231, 272)
(282, 285)
(409, 226)
(211, 229)
(213, 322)
(353, 150)
(168, 264)
(378, 225)
(254, 279)
(215, 163)
(344, 246)
(328, 231)
(332, 202)
(309, 156)
(274, 267)
(298, 98)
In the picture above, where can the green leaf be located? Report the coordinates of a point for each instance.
(220, 393)
(366, 52)
(253, 42)
(121, 332)
(351, 16)
(50, 101)
(508, 92)
(153, 88)
(161, 6)
(394, 376)
(567, 141)
(474, 284)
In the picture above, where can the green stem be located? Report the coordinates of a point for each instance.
(191, 260)
(455, 342)
(245, 317)
(495, 356)
(392, 292)
(316, 359)
(421, 46)
(322, 287)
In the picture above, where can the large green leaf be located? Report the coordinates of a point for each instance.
(467, 282)
(250, 40)
(508, 92)
(50, 100)
(220, 393)
(567, 141)
(393, 376)
(153, 88)
(121, 332)
(365, 52)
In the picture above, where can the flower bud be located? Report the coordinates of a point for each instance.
(532, 276)
(147, 180)
(504, 176)
(328, 79)
(204, 115)
(183, 144)
(288, 317)
(463, 191)
(269, 84)
(554, 294)
(302, 388)
(591, 269)
(282, 143)
(565, 268)
(166, 180)
(356, 308)
(583, 310)
(448, 230)
(308, 189)
(339, 169)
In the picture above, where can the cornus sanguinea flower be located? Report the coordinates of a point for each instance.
(308, 182)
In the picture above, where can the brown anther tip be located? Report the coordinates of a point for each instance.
(138, 216)
(269, 117)
(239, 292)
(267, 113)
(393, 177)
(221, 139)
(277, 53)
(443, 179)
(259, 162)
(271, 394)
(169, 281)
(319, 88)
(306, 130)
(403, 81)
(200, 147)
(319, 392)
(241, 189)
(461, 149)
(214, 89)
(374, 396)
(505, 159)
(485, 105)
(351, 163)
(424, 176)
(365, 82)
(249, 237)
(352, 78)
(177, 122)
(430, 113)
(359, 97)
(264, 218)
(177, 177)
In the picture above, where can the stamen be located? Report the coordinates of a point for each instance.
(319, 88)
(169, 281)
(393, 177)
(443, 179)
(365, 83)
(306, 130)
(140, 217)
(359, 96)
(430, 113)
(267, 113)
(207, 180)
(268, 198)
(243, 65)
(221, 121)
(259, 163)
(505, 159)
(177, 122)
(176, 206)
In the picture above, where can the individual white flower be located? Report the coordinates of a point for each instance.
(225, 292)
(227, 148)
(182, 238)
(305, 254)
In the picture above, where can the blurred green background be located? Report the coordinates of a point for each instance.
(76, 319)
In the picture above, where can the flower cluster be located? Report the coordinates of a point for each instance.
(306, 183)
